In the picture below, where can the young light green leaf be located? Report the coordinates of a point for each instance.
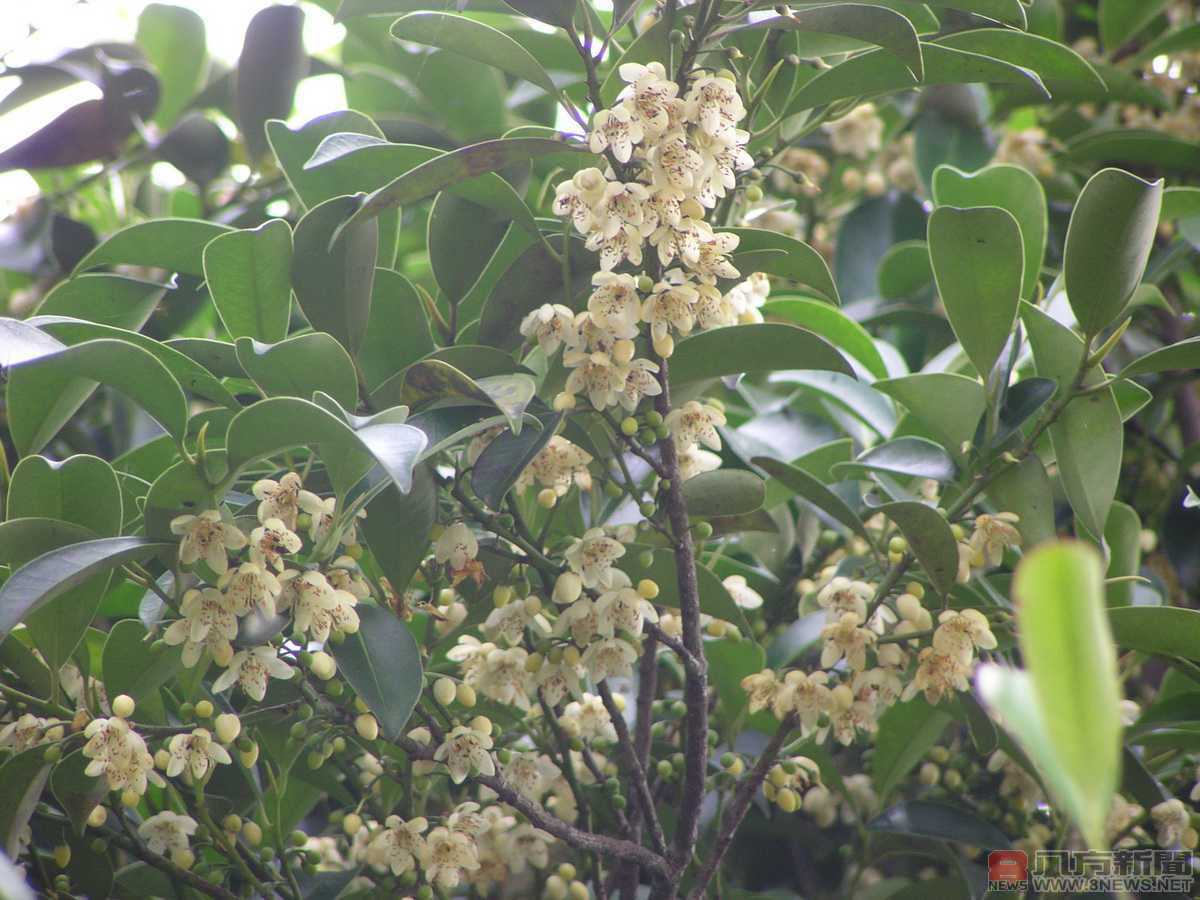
(475, 40)
(52, 574)
(382, 662)
(1161, 630)
(173, 38)
(978, 267)
(1109, 239)
(1011, 188)
(1122, 537)
(248, 276)
(300, 366)
(1068, 651)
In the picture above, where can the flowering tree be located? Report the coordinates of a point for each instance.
(712, 450)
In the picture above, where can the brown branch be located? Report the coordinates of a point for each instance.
(640, 785)
(740, 805)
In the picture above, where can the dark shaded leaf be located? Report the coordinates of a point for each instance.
(505, 458)
(920, 818)
(270, 66)
(383, 664)
(930, 539)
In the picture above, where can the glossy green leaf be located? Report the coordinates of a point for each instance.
(930, 539)
(115, 300)
(1161, 630)
(294, 148)
(131, 665)
(950, 130)
(911, 457)
(462, 238)
(725, 492)
(795, 260)
(271, 64)
(905, 269)
(81, 489)
(1182, 355)
(1059, 67)
(714, 599)
(1008, 187)
(22, 778)
(553, 12)
(831, 324)
(865, 237)
(1135, 147)
(397, 330)
(948, 405)
(876, 25)
(1088, 437)
(52, 574)
(978, 266)
(923, 819)
(383, 664)
(41, 399)
(1108, 242)
(844, 392)
(805, 485)
(1068, 651)
(506, 457)
(1122, 537)
(752, 349)
(399, 552)
(879, 72)
(906, 732)
(333, 270)
(475, 40)
(1025, 489)
(432, 382)
(1120, 21)
(176, 245)
(248, 276)
(300, 366)
(728, 663)
(77, 792)
(1021, 401)
(173, 39)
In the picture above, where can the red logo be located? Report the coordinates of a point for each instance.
(1009, 868)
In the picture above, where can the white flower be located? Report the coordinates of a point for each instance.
(279, 499)
(670, 305)
(448, 854)
(807, 695)
(510, 621)
(592, 557)
(714, 104)
(24, 732)
(858, 133)
(743, 595)
(650, 97)
(693, 461)
(197, 753)
(119, 753)
(960, 631)
(587, 718)
(846, 638)
(609, 658)
(625, 243)
(208, 623)
(575, 198)
(464, 750)
(456, 545)
(250, 587)
(615, 129)
(712, 259)
(623, 609)
(559, 465)
(556, 681)
(594, 374)
(272, 541)
(166, 832)
(549, 325)
(624, 204)
(526, 845)
(937, 674)
(614, 304)
(842, 595)
(398, 846)
(1171, 819)
(640, 381)
(992, 534)
(251, 670)
(324, 513)
(319, 608)
(674, 163)
(695, 423)
(531, 774)
(206, 537)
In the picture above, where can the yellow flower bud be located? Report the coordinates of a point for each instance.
(648, 588)
(567, 871)
(533, 604)
(664, 346)
(466, 695)
(367, 727)
(577, 890)
(444, 691)
(843, 697)
(482, 724)
(501, 595)
(204, 709)
(916, 589)
(564, 401)
(547, 498)
(183, 857)
(787, 800)
(249, 757)
(252, 833)
(130, 798)
(738, 767)
(228, 727)
(556, 888)
(123, 706)
(619, 702)
(571, 655)
(323, 665)
(623, 351)
(97, 817)
(779, 777)
(716, 628)
(161, 759)
(232, 823)
(567, 588)
(534, 662)
(929, 774)
(352, 824)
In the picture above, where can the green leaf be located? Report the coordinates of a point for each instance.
(397, 330)
(857, 398)
(728, 663)
(1161, 630)
(714, 599)
(476, 41)
(399, 552)
(876, 25)
(1068, 651)
(750, 349)
(1021, 401)
(1011, 188)
(114, 300)
(1025, 489)
(1180, 202)
(462, 238)
(176, 245)
(1135, 147)
(1010, 12)
(270, 426)
(795, 260)
(1120, 21)
(293, 149)
(173, 39)
(950, 130)
(506, 457)
(77, 792)
(450, 169)
(131, 666)
(81, 489)
(817, 462)
(333, 270)
(22, 779)
(831, 324)
(1060, 68)
(553, 12)
(910, 457)
(949, 405)
(978, 267)
(921, 818)
(906, 732)
(805, 485)
(725, 492)
(1122, 537)
(52, 574)
(300, 366)
(248, 276)
(929, 536)
(879, 72)
(433, 383)
(866, 238)
(383, 664)
(1088, 437)
(1183, 355)
(271, 64)
(1109, 239)
(42, 394)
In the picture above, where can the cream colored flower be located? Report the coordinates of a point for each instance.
(559, 465)
(624, 205)
(24, 732)
(207, 537)
(858, 133)
(531, 774)
(167, 832)
(575, 198)
(693, 461)
(1171, 819)
(550, 325)
(593, 556)
(466, 750)
(623, 609)
(509, 622)
(761, 689)
(250, 587)
(588, 719)
(807, 695)
(615, 129)
(713, 103)
(556, 681)
(448, 856)
(640, 381)
(938, 673)
(842, 595)
(398, 846)
(272, 541)
(650, 97)
(197, 753)
(671, 305)
(319, 608)
(456, 545)
(695, 423)
(961, 631)
(992, 534)
(279, 499)
(614, 304)
(846, 638)
(609, 658)
(324, 514)
(526, 845)
(119, 754)
(209, 623)
(251, 669)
